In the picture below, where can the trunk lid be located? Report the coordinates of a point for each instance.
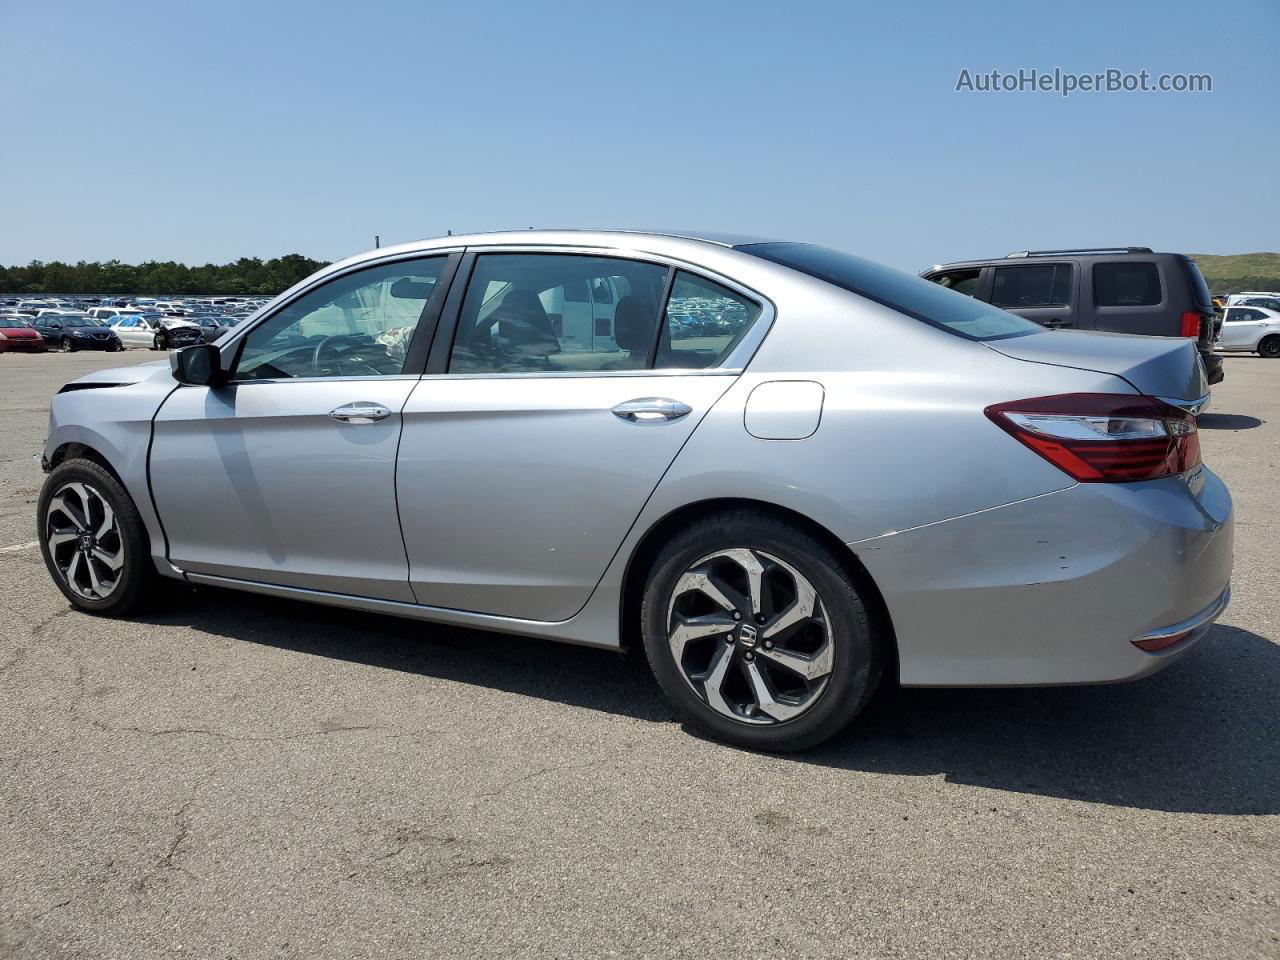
(1166, 367)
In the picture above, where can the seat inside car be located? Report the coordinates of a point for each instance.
(524, 329)
(633, 323)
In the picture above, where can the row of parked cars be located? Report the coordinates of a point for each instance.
(111, 323)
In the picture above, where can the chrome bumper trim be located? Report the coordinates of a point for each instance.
(1203, 618)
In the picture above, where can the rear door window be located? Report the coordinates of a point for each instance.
(1126, 284)
(704, 321)
(1041, 285)
(535, 312)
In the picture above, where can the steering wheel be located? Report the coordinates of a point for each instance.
(329, 342)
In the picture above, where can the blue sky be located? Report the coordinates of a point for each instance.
(207, 132)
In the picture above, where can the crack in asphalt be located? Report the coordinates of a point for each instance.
(180, 835)
(206, 732)
(503, 788)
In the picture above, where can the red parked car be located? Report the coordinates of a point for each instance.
(17, 336)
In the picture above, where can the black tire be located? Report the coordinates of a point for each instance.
(858, 654)
(1270, 347)
(157, 343)
(135, 583)
(66, 346)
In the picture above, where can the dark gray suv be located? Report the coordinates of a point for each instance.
(1116, 289)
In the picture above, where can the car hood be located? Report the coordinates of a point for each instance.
(18, 331)
(123, 376)
(1168, 367)
(172, 322)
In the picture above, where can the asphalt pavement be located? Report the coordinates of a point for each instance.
(232, 776)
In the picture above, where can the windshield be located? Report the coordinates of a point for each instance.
(917, 298)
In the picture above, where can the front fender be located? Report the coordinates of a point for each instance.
(115, 422)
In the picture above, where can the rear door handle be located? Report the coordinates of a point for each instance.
(361, 411)
(651, 410)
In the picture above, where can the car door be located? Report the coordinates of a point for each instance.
(1043, 292)
(1242, 328)
(286, 473)
(526, 456)
(123, 327)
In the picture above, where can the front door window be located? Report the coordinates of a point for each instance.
(358, 325)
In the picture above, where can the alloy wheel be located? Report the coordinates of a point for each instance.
(751, 636)
(84, 540)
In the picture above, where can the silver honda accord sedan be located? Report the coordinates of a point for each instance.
(784, 470)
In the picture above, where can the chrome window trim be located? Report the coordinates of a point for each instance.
(591, 374)
(378, 379)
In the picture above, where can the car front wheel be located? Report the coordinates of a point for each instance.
(67, 346)
(757, 633)
(93, 540)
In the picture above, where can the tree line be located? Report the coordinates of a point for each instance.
(248, 275)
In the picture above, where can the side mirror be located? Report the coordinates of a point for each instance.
(198, 365)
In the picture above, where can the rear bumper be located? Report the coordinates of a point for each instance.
(1055, 589)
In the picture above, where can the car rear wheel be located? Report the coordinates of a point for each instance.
(1270, 347)
(93, 540)
(757, 634)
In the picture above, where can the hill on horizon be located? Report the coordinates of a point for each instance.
(1231, 273)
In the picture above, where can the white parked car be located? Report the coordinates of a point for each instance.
(1249, 295)
(156, 333)
(1253, 329)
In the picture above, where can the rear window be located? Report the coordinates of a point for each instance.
(1124, 284)
(1199, 289)
(928, 302)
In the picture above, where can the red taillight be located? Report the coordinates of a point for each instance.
(1190, 325)
(1104, 437)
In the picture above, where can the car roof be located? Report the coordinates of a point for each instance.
(1033, 256)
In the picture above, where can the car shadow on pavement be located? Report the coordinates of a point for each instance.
(575, 675)
(1227, 421)
(1199, 737)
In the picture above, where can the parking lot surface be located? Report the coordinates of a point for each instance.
(236, 776)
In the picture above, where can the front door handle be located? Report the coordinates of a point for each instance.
(362, 411)
(652, 410)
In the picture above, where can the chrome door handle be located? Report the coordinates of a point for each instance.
(651, 410)
(362, 411)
